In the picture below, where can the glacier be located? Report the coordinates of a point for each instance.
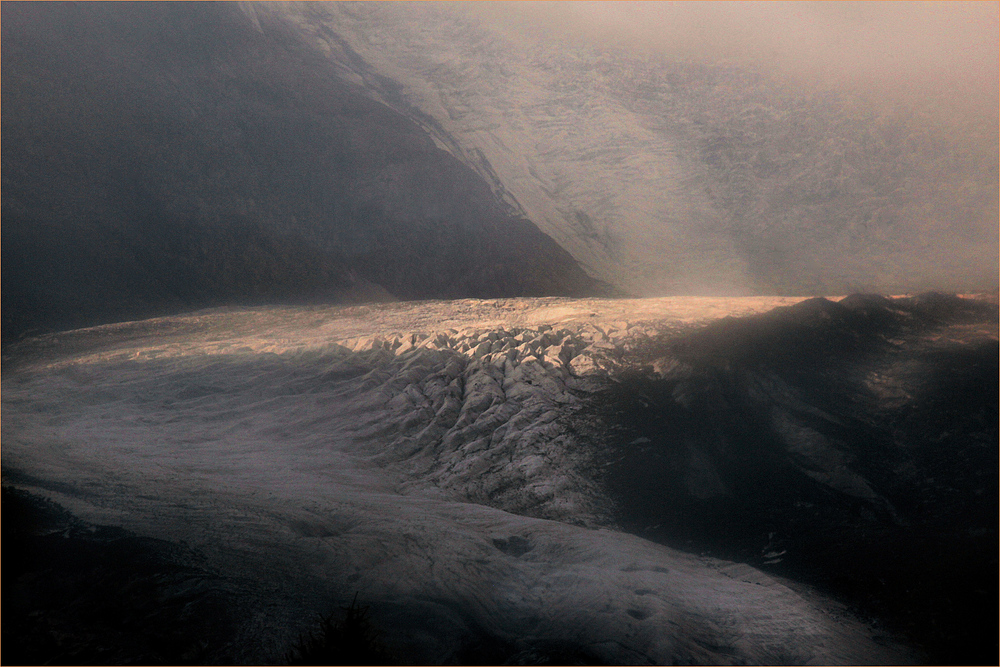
(415, 454)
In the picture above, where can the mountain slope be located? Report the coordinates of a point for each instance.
(668, 175)
(162, 157)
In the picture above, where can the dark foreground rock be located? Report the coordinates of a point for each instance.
(83, 594)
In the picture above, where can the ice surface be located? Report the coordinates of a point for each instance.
(413, 453)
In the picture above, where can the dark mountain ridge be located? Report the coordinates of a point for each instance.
(161, 157)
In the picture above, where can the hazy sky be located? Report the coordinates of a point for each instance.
(942, 52)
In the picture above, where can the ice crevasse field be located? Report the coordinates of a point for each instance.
(432, 458)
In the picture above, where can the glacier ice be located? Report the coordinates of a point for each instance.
(415, 454)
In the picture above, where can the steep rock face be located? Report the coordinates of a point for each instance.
(163, 157)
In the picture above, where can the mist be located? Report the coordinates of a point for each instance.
(919, 53)
(719, 148)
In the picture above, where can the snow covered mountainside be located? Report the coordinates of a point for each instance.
(465, 468)
(667, 175)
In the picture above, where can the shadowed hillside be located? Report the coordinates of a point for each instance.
(850, 445)
(162, 157)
